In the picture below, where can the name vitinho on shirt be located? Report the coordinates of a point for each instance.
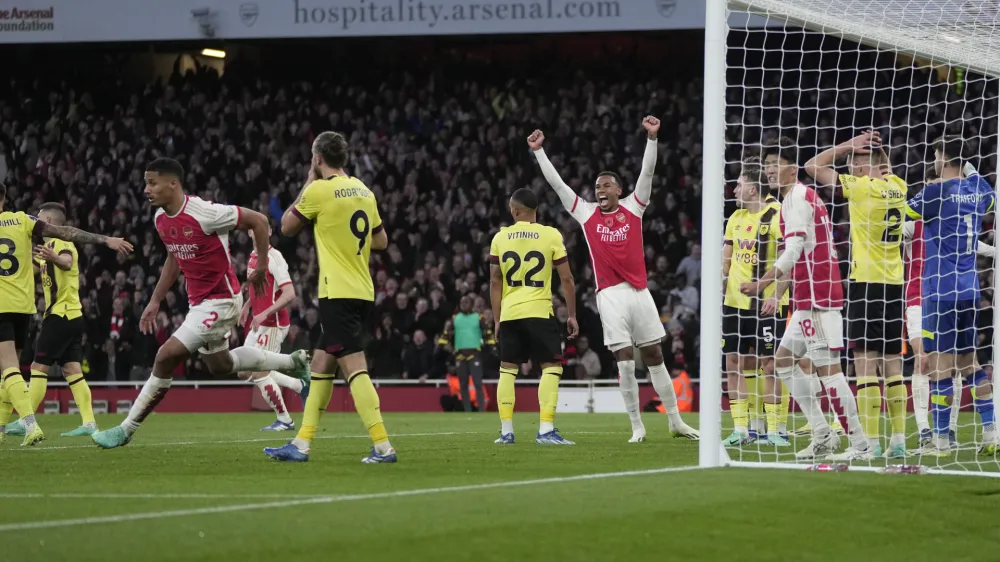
(183, 251)
(522, 235)
(352, 192)
(617, 235)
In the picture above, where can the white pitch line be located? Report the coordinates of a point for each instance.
(126, 496)
(128, 517)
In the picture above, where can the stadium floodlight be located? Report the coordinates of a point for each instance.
(821, 72)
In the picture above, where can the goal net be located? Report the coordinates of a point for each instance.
(851, 98)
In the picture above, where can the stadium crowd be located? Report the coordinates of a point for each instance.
(439, 139)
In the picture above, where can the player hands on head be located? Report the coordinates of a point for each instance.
(522, 257)
(196, 234)
(613, 228)
(17, 285)
(347, 226)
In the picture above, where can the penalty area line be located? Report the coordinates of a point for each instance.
(129, 517)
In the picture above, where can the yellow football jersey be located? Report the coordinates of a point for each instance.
(61, 288)
(876, 206)
(17, 276)
(344, 215)
(526, 253)
(746, 233)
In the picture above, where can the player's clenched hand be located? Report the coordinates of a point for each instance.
(44, 253)
(652, 125)
(119, 245)
(749, 289)
(770, 307)
(535, 140)
(147, 322)
(573, 328)
(258, 279)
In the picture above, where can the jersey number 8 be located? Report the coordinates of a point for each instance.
(8, 256)
(360, 228)
(516, 265)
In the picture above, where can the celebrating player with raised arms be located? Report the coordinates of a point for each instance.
(815, 330)
(876, 200)
(952, 212)
(196, 234)
(613, 230)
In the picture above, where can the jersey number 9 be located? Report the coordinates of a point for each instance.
(516, 265)
(360, 228)
(8, 256)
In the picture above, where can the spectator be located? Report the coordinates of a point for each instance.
(418, 359)
(586, 365)
(122, 332)
(689, 270)
(385, 352)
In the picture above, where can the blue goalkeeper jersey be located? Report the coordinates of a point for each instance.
(952, 212)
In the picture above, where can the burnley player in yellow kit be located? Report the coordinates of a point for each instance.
(522, 257)
(17, 303)
(876, 202)
(347, 226)
(60, 339)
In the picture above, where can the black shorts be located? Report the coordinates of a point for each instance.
(744, 330)
(345, 325)
(875, 317)
(59, 341)
(14, 327)
(537, 339)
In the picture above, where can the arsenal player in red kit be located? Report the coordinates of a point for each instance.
(196, 234)
(613, 230)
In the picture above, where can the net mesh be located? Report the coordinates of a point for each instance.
(819, 74)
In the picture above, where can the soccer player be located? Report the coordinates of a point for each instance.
(347, 227)
(952, 212)
(60, 339)
(752, 241)
(521, 260)
(613, 230)
(17, 285)
(815, 330)
(196, 234)
(876, 201)
(268, 328)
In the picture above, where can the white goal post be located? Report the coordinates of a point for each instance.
(784, 67)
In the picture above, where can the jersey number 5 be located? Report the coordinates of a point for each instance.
(360, 228)
(516, 265)
(7, 256)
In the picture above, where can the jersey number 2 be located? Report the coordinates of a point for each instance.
(360, 228)
(8, 256)
(516, 265)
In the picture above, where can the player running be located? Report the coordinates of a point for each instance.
(347, 226)
(752, 242)
(613, 230)
(17, 285)
(196, 234)
(876, 200)
(815, 330)
(61, 338)
(267, 311)
(521, 260)
(952, 212)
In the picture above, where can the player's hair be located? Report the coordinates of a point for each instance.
(332, 149)
(753, 172)
(612, 175)
(167, 167)
(953, 149)
(3, 191)
(525, 198)
(930, 175)
(53, 206)
(783, 147)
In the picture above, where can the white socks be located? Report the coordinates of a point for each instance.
(506, 426)
(249, 359)
(664, 387)
(272, 395)
(956, 404)
(545, 427)
(838, 390)
(285, 381)
(801, 388)
(629, 388)
(152, 393)
(921, 398)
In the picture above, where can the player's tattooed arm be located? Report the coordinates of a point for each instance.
(78, 236)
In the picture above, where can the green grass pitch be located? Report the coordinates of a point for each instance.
(197, 487)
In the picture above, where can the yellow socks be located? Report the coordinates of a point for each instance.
(37, 387)
(755, 398)
(15, 386)
(320, 392)
(870, 406)
(895, 397)
(81, 395)
(738, 409)
(786, 400)
(548, 398)
(771, 412)
(367, 403)
(505, 399)
(6, 408)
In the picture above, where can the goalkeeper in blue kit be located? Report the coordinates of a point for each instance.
(952, 211)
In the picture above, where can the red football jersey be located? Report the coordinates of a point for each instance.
(614, 240)
(198, 238)
(816, 281)
(277, 277)
(914, 254)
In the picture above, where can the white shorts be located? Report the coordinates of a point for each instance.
(914, 322)
(208, 324)
(629, 317)
(817, 334)
(268, 338)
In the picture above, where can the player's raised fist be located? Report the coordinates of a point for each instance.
(535, 139)
(652, 126)
(119, 245)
